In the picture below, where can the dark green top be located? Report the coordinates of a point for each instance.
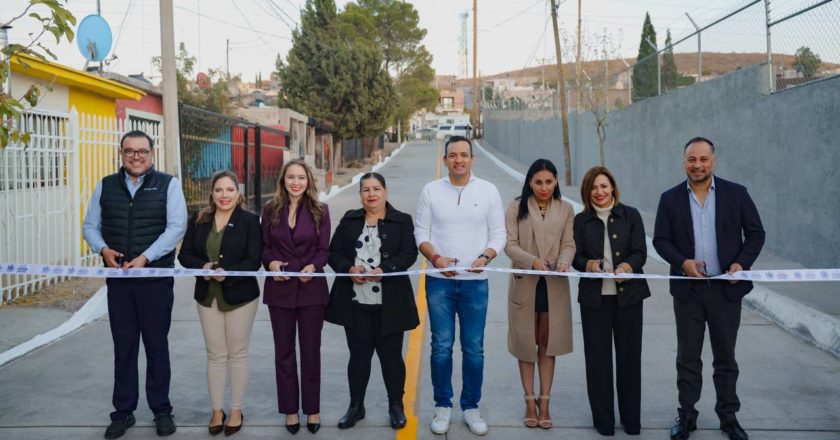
(214, 290)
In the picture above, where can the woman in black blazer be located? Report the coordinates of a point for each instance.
(610, 237)
(374, 310)
(224, 236)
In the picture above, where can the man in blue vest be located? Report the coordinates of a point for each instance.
(135, 219)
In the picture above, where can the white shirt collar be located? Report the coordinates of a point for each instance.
(449, 181)
(711, 188)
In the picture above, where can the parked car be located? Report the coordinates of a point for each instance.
(444, 132)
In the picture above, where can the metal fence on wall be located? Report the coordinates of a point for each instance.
(796, 39)
(211, 142)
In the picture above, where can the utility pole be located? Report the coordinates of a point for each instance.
(227, 58)
(561, 89)
(475, 113)
(577, 59)
(171, 132)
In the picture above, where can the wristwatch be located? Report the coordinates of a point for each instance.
(485, 256)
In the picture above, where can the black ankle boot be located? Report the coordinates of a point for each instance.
(396, 413)
(354, 413)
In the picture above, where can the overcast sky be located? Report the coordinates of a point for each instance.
(512, 33)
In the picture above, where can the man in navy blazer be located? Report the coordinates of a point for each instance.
(707, 226)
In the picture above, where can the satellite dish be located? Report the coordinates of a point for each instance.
(94, 38)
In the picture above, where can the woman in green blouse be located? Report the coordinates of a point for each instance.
(223, 236)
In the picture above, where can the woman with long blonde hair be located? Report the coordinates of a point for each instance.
(296, 238)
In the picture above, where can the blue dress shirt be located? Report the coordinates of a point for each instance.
(705, 235)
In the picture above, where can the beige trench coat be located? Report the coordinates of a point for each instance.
(529, 239)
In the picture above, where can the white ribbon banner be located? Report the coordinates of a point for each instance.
(784, 275)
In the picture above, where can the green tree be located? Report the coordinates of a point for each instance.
(414, 89)
(215, 98)
(806, 62)
(54, 19)
(670, 75)
(644, 71)
(332, 77)
(393, 28)
(393, 25)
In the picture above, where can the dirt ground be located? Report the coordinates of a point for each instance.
(71, 295)
(344, 175)
(68, 295)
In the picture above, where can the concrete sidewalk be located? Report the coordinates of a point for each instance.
(788, 388)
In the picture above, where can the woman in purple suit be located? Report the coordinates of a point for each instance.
(296, 238)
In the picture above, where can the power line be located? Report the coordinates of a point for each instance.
(122, 25)
(258, 34)
(231, 24)
(272, 13)
(276, 6)
(515, 15)
(539, 43)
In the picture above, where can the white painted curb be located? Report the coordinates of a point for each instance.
(805, 322)
(323, 197)
(94, 308)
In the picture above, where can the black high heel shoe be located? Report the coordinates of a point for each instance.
(217, 429)
(230, 430)
(313, 427)
(293, 428)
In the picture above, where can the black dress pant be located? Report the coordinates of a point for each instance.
(140, 307)
(706, 302)
(363, 338)
(601, 327)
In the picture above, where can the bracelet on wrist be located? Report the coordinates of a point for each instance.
(434, 259)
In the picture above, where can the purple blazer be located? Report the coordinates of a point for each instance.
(307, 247)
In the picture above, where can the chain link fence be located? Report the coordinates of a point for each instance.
(796, 39)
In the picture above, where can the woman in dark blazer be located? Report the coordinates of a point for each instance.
(374, 310)
(296, 238)
(610, 237)
(223, 236)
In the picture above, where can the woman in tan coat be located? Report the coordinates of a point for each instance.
(539, 237)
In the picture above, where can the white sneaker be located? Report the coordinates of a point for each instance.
(440, 423)
(473, 419)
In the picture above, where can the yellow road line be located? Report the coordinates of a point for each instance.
(414, 352)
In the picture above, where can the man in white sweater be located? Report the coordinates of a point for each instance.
(459, 222)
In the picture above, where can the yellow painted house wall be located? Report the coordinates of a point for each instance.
(95, 100)
(91, 103)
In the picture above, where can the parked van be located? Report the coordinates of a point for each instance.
(444, 132)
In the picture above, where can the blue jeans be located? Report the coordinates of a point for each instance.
(467, 298)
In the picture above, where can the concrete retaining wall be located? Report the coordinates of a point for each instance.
(782, 146)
